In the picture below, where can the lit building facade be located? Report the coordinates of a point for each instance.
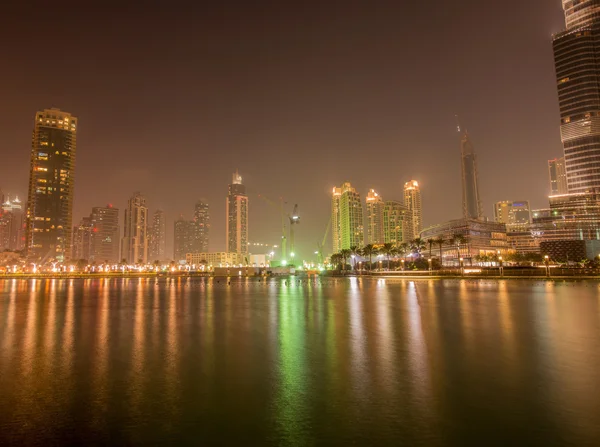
(570, 217)
(482, 238)
(183, 238)
(412, 201)
(347, 218)
(218, 259)
(397, 223)
(51, 187)
(375, 219)
(577, 63)
(106, 234)
(237, 217)
(558, 176)
(472, 208)
(134, 247)
(202, 226)
(158, 237)
(515, 215)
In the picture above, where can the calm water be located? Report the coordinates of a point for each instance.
(328, 362)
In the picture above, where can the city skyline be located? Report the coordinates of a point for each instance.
(429, 157)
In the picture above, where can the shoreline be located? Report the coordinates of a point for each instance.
(419, 277)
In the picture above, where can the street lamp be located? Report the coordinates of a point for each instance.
(461, 266)
(430, 266)
(501, 267)
(402, 261)
(547, 262)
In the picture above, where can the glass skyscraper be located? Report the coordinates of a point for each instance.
(577, 60)
(472, 208)
(51, 184)
(237, 217)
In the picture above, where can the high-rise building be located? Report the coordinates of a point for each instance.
(14, 225)
(412, 201)
(237, 217)
(134, 248)
(51, 186)
(558, 176)
(397, 223)
(516, 215)
(347, 218)
(375, 210)
(202, 227)
(158, 237)
(82, 239)
(577, 61)
(106, 234)
(183, 238)
(472, 208)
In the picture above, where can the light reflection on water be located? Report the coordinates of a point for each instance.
(299, 362)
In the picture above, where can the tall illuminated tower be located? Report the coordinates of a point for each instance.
(346, 218)
(375, 209)
(105, 234)
(201, 227)
(472, 208)
(412, 201)
(158, 237)
(134, 248)
(51, 186)
(577, 62)
(237, 217)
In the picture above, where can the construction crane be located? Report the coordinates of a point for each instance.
(294, 220)
(321, 246)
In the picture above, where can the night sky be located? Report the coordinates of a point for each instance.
(299, 96)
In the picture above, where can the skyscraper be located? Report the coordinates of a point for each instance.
(158, 237)
(82, 239)
(472, 208)
(558, 177)
(106, 234)
(375, 209)
(51, 186)
(13, 216)
(412, 201)
(397, 223)
(347, 218)
(577, 61)
(516, 215)
(201, 227)
(183, 238)
(134, 247)
(237, 217)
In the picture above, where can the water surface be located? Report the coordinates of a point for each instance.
(320, 362)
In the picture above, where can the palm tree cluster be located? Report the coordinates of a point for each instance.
(388, 250)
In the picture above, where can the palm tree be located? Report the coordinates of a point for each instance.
(370, 250)
(335, 259)
(458, 240)
(418, 245)
(441, 241)
(403, 249)
(345, 254)
(430, 242)
(387, 249)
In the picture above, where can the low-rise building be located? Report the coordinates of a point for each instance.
(217, 259)
(481, 238)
